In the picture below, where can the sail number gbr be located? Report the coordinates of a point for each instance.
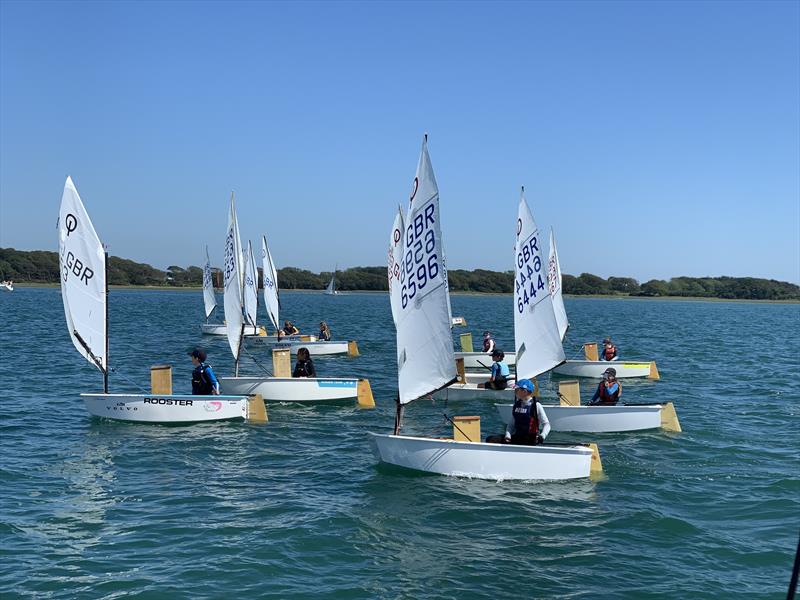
(529, 281)
(420, 264)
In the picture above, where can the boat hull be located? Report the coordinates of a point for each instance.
(318, 348)
(595, 419)
(273, 339)
(289, 389)
(481, 460)
(159, 408)
(483, 361)
(471, 391)
(222, 329)
(595, 369)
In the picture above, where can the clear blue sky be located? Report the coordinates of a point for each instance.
(658, 139)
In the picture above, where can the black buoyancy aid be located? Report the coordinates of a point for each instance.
(526, 422)
(609, 353)
(606, 397)
(201, 383)
(488, 344)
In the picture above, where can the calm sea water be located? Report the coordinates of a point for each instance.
(298, 507)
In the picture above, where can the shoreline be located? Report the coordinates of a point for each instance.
(156, 288)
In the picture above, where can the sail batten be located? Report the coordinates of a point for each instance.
(536, 336)
(234, 319)
(554, 283)
(421, 305)
(270, 277)
(82, 263)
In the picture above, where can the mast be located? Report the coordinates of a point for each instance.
(105, 371)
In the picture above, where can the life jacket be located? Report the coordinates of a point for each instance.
(201, 383)
(488, 344)
(526, 423)
(609, 352)
(606, 397)
(304, 368)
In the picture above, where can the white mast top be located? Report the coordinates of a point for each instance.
(536, 337)
(82, 263)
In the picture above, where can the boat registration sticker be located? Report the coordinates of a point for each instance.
(334, 383)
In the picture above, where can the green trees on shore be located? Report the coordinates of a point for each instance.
(42, 267)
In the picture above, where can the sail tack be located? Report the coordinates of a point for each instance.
(554, 283)
(270, 275)
(209, 297)
(82, 263)
(425, 357)
(536, 336)
(233, 286)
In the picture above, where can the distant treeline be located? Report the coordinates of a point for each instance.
(42, 267)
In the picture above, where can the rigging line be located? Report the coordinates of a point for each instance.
(457, 427)
(133, 383)
(255, 360)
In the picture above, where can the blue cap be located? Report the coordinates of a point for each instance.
(525, 384)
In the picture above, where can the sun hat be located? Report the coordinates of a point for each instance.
(525, 384)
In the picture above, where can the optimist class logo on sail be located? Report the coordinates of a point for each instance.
(420, 264)
(529, 281)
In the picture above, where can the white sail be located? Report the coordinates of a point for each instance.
(270, 276)
(233, 289)
(250, 287)
(82, 262)
(554, 284)
(331, 289)
(536, 337)
(209, 297)
(425, 359)
(395, 264)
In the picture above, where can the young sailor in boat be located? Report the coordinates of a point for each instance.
(609, 351)
(488, 342)
(289, 328)
(304, 366)
(204, 382)
(609, 390)
(324, 332)
(498, 379)
(528, 415)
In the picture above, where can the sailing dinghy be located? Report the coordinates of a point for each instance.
(331, 289)
(280, 387)
(7, 286)
(84, 291)
(569, 414)
(591, 366)
(426, 361)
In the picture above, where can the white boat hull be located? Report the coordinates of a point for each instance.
(595, 368)
(471, 391)
(7, 288)
(481, 460)
(289, 389)
(316, 348)
(273, 339)
(483, 361)
(221, 329)
(159, 408)
(595, 419)
(484, 377)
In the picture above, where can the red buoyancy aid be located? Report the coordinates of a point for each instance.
(609, 352)
(606, 397)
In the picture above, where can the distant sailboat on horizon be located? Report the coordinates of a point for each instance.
(331, 289)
